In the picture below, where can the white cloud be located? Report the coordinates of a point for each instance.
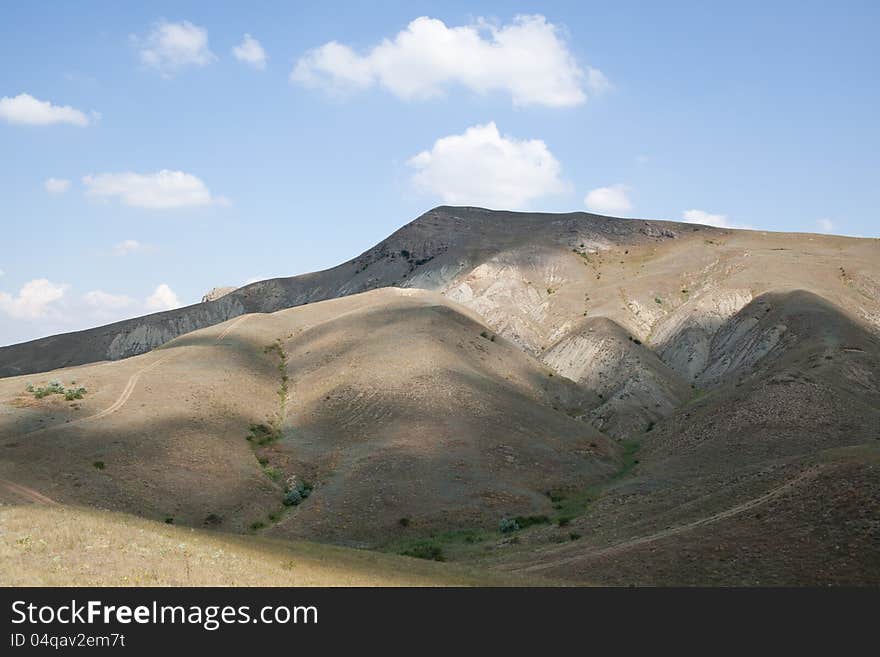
(172, 47)
(27, 110)
(162, 190)
(608, 200)
(163, 298)
(527, 58)
(251, 52)
(482, 167)
(33, 301)
(825, 225)
(56, 185)
(708, 219)
(127, 246)
(106, 301)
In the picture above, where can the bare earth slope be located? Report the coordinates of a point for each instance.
(464, 428)
(657, 403)
(769, 476)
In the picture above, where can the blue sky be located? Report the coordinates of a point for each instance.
(144, 161)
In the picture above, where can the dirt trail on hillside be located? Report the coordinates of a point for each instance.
(123, 397)
(229, 328)
(29, 494)
(617, 548)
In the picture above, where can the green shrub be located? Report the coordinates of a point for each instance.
(563, 522)
(263, 434)
(297, 493)
(508, 525)
(74, 393)
(257, 525)
(425, 550)
(99, 465)
(528, 521)
(404, 522)
(169, 520)
(574, 536)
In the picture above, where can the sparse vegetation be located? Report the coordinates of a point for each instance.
(425, 549)
(55, 387)
(296, 493)
(528, 521)
(508, 525)
(99, 465)
(263, 434)
(213, 519)
(404, 522)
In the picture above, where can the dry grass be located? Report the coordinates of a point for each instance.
(70, 546)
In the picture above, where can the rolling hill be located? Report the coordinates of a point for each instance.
(629, 401)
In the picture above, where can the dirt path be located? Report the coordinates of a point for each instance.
(680, 529)
(123, 397)
(229, 328)
(24, 492)
(32, 495)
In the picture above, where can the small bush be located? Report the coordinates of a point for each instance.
(74, 393)
(563, 522)
(169, 520)
(212, 519)
(404, 522)
(574, 536)
(99, 465)
(297, 493)
(263, 434)
(257, 525)
(658, 300)
(425, 550)
(528, 521)
(508, 525)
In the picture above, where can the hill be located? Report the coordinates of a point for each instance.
(574, 397)
(214, 427)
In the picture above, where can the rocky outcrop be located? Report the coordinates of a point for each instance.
(216, 292)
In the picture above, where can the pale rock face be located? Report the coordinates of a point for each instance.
(215, 293)
(636, 386)
(683, 339)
